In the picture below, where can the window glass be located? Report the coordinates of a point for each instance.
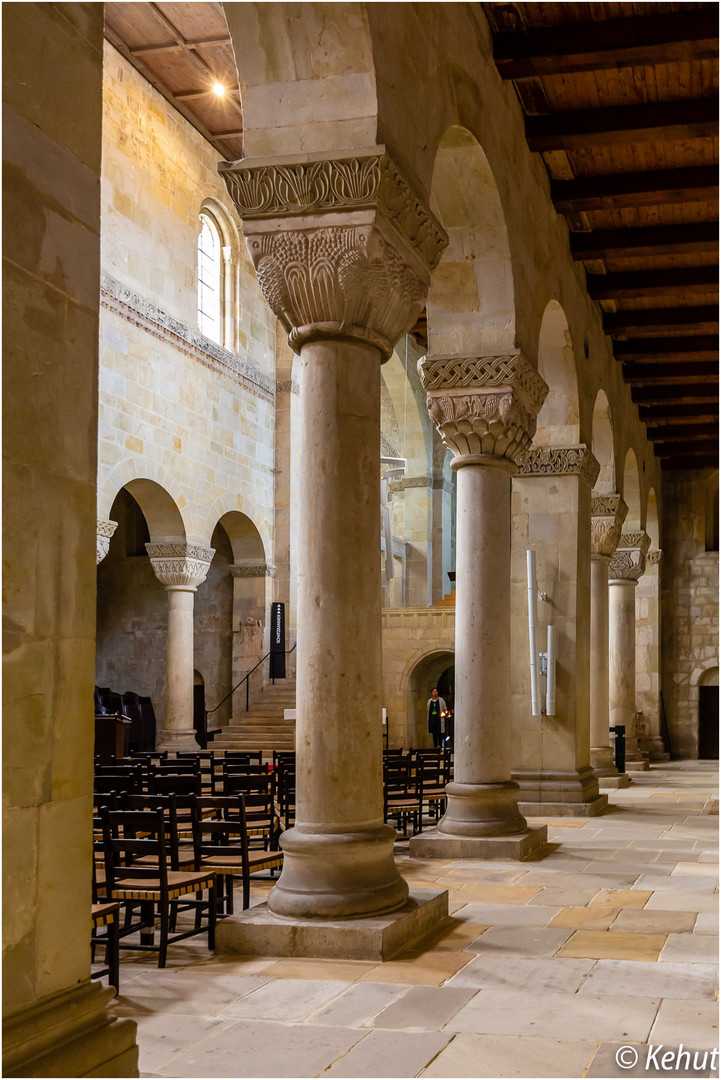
(209, 280)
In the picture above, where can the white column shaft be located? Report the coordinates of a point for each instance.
(622, 655)
(179, 665)
(599, 651)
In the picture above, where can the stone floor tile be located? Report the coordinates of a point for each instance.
(571, 896)
(693, 1023)
(284, 999)
(620, 898)
(358, 1004)
(596, 917)
(691, 949)
(673, 857)
(631, 977)
(681, 901)
(707, 923)
(454, 935)
(423, 1008)
(511, 1055)
(390, 1053)
(186, 991)
(642, 921)
(340, 970)
(605, 1063)
(257, 1049)
(497, 894)
(419, 969)
(552, 1016)
(607, 945)
(695, 869)
(527, 973)
(674, 883)
(505, 914)
(519, 941)
(161, 1036)
(708, 857)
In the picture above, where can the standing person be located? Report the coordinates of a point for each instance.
(435, 709)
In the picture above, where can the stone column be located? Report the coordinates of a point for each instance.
(608, 512)
(626, 567)
(249, 608)
(484, 408)
(181, 568)
(648, 659)
(343, 251)
(551, 508)
(104, 535)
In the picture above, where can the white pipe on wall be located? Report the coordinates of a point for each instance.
(532, 621)
(551, 672)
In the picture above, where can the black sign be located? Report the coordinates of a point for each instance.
(277, 641)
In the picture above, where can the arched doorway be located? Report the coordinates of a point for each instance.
(436, 669)
(708, 714)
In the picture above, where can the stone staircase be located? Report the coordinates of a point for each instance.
(263, 727)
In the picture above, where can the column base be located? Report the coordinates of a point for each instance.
(436, 845)
(638, 764)
(603, 761)
(338, 875)
(70, 1034)
(482, 810)
(172, 740)
(653, 746)
(258, 932)
(612, 783)
(562, 793)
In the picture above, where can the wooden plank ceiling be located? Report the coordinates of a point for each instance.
(621, 99)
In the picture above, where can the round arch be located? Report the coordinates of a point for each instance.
(160, 492)
(471, 305)
(232, 503)
(602, 445)
(421, 675)
(245, 540)
(558, 420)
(631, 491)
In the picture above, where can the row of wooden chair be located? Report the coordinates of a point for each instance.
(414, 786)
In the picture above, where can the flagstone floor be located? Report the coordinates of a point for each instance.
(546, 968)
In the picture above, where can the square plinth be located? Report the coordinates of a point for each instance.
(436, 845)
(637, 766)
(257, 932)
(611, 783)
(564, 809)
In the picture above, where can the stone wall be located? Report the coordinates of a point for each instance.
(418, 645)
(689, 605)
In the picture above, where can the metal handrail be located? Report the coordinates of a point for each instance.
(246, 680)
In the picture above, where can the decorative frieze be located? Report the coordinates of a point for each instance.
(608, 513)
(135, 308)
(409, 482)
(180, 566)
(560, 461)
(629, 560)
(250, 570)
(483, 405)
(105, 531)
(342, 246)
(654, 558)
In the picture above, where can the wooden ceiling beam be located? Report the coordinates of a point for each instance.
(683, 281)
(678, 413)
(683, 432)
(623, 190)
(689, 394)
(703, 461)
(640, 321)
(697, 239)
(612, 43)
(668, 374)
(689, 450)
(572, 129)
(700, 347)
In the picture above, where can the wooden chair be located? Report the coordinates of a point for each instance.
(130, 836)
(258, 791)
(223, 845)
(166, 783)
(401, 797)
(107, 914)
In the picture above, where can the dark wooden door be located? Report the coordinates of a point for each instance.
(708, 722)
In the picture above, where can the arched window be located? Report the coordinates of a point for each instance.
(210, 280)
(712, 513)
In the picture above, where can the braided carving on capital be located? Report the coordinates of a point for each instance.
(508, 370)
(182, 566)
(560, 461)
(104, 534)
(629, 560)
(608, 513)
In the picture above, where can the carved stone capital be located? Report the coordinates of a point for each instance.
(343, 247)
(560, 461)
(104, 535)
(608, 513)
(629, 560)
(180, 566)
(483, 405)
(249, 570)
(654, 558)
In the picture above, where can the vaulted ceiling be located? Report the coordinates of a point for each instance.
(621, 100)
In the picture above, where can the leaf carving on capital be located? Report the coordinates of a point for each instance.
(507, 370)
(104, 534)
(654, 558)
(560, 461)
(338, 281)
(370, 181)
(608, 512)
(635, 539)
(180, 565)
(489, 422)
